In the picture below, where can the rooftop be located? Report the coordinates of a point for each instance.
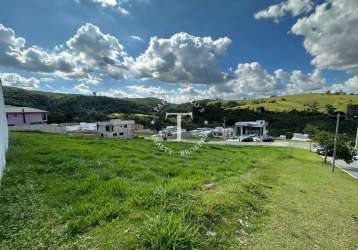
(13, 109)
(258, 123)
(117, 122)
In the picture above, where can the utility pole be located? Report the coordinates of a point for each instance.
(335, 143)
(356, 146)
(224, 131)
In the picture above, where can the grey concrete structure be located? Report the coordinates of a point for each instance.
(116, 129)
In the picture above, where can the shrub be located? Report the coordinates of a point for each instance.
(168, 232)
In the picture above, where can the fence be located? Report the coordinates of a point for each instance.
(4, 134)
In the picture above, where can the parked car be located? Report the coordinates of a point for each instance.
(267, 139)
(247, 139)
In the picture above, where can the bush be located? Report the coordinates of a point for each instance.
(168, 232)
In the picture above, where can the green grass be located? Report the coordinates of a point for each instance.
(91, 193)
(300, 102)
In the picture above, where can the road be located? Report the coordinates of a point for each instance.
(351, 169)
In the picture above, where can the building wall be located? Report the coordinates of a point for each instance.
(119, 131)
(246, 130)
(4, 136)
(138, 127)
(30, 118)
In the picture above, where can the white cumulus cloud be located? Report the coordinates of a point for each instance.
(349, 86)
(16, 80)
(121, 6)
(88, 52)
(299, 82)
(182, 58)
(83, 89)
(294, 7)
(13, 53)
(331, 35)
(252, 80)
(147, 90)
(95, 50)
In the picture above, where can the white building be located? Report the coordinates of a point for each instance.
(116, 129)
(218, 131)
(227, 133)
(300, 137)
(251, 128)
(83, 126)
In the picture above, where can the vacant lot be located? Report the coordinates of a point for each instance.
(88, 193)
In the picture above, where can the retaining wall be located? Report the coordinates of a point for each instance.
(39, 127)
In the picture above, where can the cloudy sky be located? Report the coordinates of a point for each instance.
(180, 50)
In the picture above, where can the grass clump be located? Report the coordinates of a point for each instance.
(168, 232)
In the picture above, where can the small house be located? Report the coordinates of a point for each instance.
(251, 128)
(116, 129)
(25, 116)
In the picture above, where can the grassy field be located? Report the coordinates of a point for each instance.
(64, 192)
(300, 102)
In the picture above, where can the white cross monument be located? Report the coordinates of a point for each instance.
(179, 116)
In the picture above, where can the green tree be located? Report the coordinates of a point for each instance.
(345, 150)
(314, 107)
(310, 130)
(330, 109)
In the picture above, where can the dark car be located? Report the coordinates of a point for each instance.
(267, 139)
(247, 139)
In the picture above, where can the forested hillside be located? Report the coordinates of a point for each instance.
(70, 107)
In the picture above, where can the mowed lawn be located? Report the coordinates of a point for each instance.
(62, 192)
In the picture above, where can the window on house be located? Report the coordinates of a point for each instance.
(125, 126)
(121, 133)
(44, 116)
(109, 128)
(114, 134)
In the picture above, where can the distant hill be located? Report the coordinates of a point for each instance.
(284, 114)
(71, 107)
(299, 102)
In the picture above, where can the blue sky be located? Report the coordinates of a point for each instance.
(204, 49)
